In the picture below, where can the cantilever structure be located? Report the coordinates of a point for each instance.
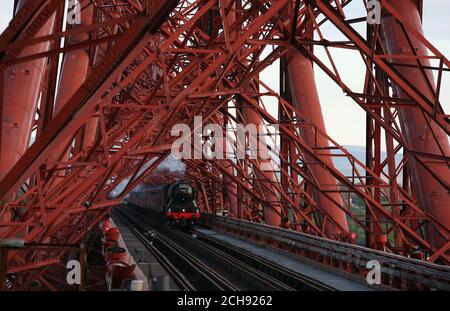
(90, 105)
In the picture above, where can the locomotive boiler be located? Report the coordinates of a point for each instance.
(176, 203)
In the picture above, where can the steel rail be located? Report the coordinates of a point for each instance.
(176, 275)
(250, 272)
(201, 268)
(267, 274)
(220, 282)
(416, 271)
(283, 274)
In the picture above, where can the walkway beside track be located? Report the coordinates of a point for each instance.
(336, 281)
(157, 276)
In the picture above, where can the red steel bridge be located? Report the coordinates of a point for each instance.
(88, 105)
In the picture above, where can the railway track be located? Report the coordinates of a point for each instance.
(196, 275)
(293, 279)
(413, 273)
(247, 272)
(176, 275)
(210, 264)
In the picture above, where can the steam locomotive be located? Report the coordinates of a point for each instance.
(176, 203)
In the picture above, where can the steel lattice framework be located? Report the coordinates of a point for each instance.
(131, 69)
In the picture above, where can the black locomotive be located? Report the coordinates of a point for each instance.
(175, 202)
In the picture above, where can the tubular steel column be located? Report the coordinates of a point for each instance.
(272, 215)
(22, 86)
(230, 185)
(231, 190)
(306, 100)
(422, 134)
(76, 63)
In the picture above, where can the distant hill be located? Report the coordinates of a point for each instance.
(359, 152)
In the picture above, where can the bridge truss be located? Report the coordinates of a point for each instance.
(90, 106)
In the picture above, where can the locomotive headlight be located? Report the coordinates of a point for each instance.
(184, 210)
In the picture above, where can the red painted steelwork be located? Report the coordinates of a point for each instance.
(306, 100)
(421, 133)
(272, 212)
(152, 66)
(22, 87)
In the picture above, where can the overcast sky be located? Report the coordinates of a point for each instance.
(345, 121)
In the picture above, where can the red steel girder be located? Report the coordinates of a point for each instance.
(149, 82)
